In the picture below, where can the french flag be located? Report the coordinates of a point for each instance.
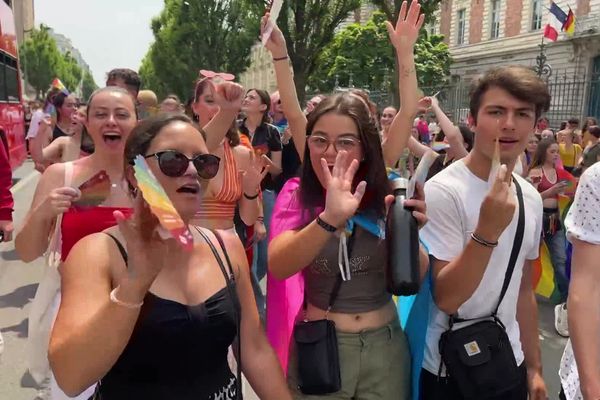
(556, 20)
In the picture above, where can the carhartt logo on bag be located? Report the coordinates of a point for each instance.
(472, 349)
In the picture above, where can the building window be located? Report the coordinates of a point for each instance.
(536, 15)
(460, 23)
(495, 19)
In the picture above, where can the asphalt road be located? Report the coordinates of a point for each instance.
(18, 283)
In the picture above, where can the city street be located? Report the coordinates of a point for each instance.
(18, 283)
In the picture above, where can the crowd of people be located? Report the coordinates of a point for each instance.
(299, 195)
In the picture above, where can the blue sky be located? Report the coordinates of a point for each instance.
(108, 33)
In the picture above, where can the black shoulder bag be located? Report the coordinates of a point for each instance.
(318, 356)
(479, 357)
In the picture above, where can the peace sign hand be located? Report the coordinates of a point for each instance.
(341, 204)
(227, 95)
(406, 32)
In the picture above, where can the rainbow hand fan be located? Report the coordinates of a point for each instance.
(160, 204)
(94, 191)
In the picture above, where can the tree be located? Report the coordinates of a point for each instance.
(40, 59)
(88, 85)
(308, 27)
(69, 72)
(211, 34)
(364, 54)
(391, 9)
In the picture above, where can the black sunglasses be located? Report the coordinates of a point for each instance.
(173, 163)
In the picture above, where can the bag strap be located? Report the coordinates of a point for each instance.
(229, 278)
(338, 282)
(516, 249)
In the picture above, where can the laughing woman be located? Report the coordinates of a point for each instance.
(148, 319)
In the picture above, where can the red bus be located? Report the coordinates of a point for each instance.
(12, 123)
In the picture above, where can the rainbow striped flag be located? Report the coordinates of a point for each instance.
(543, 272)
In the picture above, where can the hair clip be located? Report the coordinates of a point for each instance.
(219, 75)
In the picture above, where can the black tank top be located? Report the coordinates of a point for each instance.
(178, 351)
(87, 144)
(57, 132)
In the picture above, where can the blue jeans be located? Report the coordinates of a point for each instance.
(557, 246)
(259, 263)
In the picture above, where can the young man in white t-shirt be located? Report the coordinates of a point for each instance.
(472, 226)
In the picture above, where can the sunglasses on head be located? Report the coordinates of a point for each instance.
(174, 163)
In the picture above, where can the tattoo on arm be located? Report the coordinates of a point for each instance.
(406, 72)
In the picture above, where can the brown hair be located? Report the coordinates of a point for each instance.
(372, 167)
(233, 136)
(595, 131)
(521, 82)
(539, 156)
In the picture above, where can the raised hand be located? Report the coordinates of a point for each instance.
(147, 252)
(424, 104)
(258, 168)
(340, 203)
(227, 95)
(418, 205)
(276, 43)
(406, 32)
(497, 209)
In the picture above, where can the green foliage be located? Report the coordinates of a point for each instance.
(364, 53)
(41, 62)
(69, 72)
(309, 26)
(391, 8)
(88, 85)
(40, 59)
(192, 35)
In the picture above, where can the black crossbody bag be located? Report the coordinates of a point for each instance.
(318, 355)
(479, 357)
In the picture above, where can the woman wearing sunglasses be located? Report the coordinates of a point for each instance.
(327, 238)
(157, 321)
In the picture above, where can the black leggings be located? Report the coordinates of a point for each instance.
(434, 388)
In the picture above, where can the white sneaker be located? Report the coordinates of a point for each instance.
(561, 321)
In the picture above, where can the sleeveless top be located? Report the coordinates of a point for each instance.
(178, 351)
(57, 132)
(545, 184)
(78, 223)
(366, 291)
(222, 206)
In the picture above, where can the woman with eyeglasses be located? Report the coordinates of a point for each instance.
(327, 236)
(157, 321)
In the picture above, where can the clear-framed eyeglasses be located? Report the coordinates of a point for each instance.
(321, 143)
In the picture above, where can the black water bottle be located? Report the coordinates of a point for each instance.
(402, 236)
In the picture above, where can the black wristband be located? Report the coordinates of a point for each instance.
(325, 225)
(280, 58)
(251, 197)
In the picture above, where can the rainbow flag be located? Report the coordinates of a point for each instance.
(543, 272)
(57, 84)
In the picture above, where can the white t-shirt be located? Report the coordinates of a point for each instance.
(582, 223)
(454, 197)
(34, 124)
